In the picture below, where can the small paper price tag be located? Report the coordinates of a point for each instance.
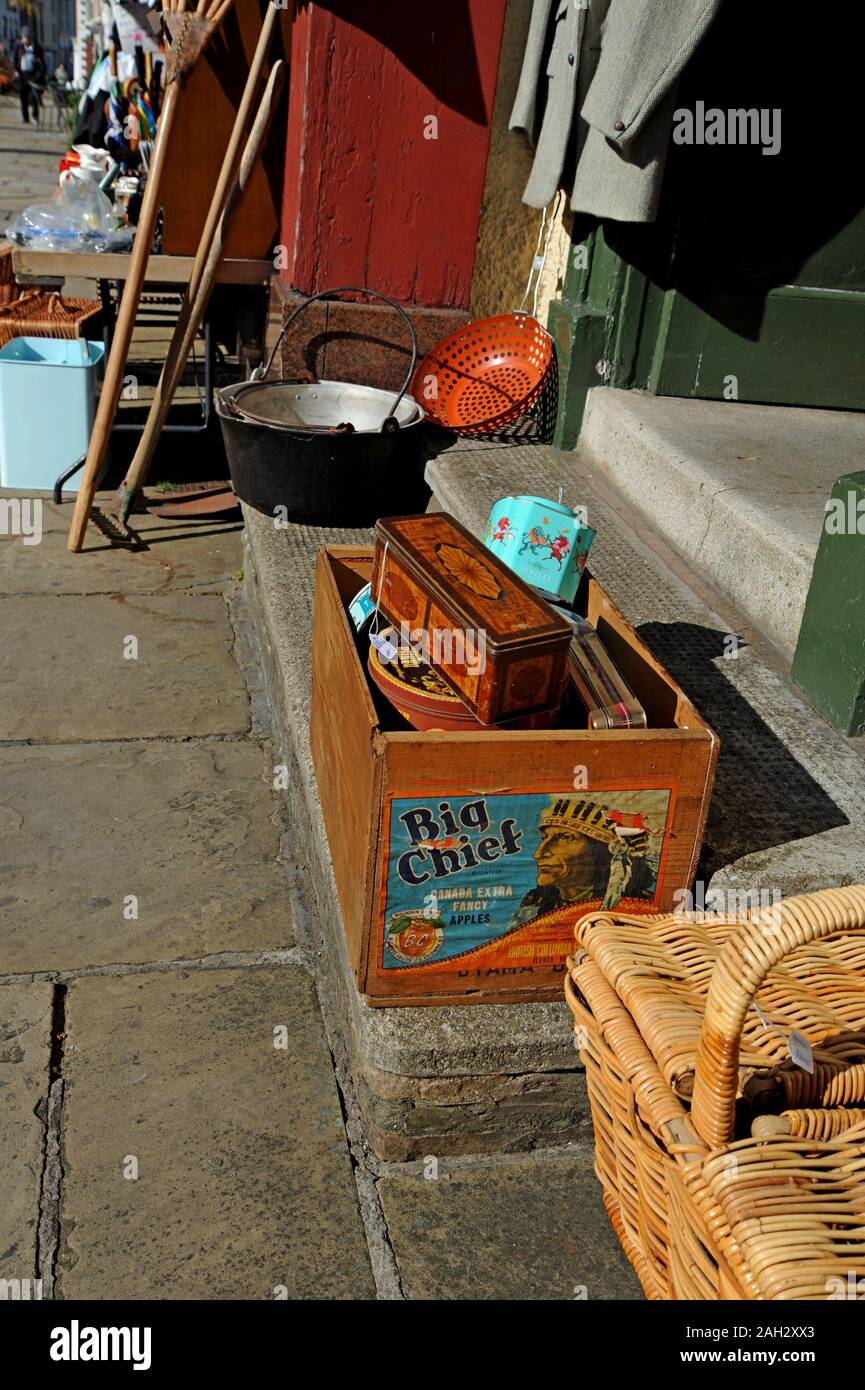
(386, 650)
(800, 1051)
(538, 263)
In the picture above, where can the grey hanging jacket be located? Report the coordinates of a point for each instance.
(612, 74)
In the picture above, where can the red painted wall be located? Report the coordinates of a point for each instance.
(368, 200)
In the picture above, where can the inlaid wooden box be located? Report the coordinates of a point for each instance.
(463, 860)
(502, 649)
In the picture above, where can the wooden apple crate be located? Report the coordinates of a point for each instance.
(463, 860)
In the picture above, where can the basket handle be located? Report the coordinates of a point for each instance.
(25, 296)
(261, 373)
(768, 935)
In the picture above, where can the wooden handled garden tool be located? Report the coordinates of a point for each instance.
(211, 249)
(190, 34)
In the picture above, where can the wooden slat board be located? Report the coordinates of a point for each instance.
(346, 745)
(162, 270)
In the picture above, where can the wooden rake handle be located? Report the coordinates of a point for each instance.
(768, 935)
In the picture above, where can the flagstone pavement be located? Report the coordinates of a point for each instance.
(171, 1123)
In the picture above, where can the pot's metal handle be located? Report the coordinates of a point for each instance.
(228, 405)
(260, 374)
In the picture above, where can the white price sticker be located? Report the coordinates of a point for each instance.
(800, 1051)
(386, 650)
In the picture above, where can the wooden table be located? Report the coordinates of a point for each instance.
(37, 267)
(52, 268)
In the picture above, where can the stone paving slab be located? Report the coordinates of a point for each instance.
(519, 1230)
(64, 676)
(244, 1178)
(187, 828)
(57, 516)
(175, 558)
(193, 555)
(52, 516)
(25, 1050)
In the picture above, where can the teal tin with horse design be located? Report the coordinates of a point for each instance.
(545, 543)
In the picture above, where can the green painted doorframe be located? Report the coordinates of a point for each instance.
(596, 325)
(620, 322)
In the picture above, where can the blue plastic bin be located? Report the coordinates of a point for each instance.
(47, 405)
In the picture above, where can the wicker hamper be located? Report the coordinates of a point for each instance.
(38, 314)
(683, 1025)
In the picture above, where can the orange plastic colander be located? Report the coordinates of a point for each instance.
(486, 374)
(490, 372)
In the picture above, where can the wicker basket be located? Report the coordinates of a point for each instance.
(675, 1053)
(37, 314)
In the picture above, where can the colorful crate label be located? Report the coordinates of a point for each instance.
(500, 879)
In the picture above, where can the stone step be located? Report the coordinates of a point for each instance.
(487, 1078)
(739, 490)
(444, 1080)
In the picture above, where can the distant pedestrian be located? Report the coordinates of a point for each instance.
(30, 67)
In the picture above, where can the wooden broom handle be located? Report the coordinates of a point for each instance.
(191, 312)
(769, 935)
(112, 384)
(136, 274)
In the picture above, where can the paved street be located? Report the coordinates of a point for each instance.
(172, 1125)
(28, 158)
(180, 1111)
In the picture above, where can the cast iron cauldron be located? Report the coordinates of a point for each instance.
(329, 452)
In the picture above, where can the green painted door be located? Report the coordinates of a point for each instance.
(740, 312)
(751, 285)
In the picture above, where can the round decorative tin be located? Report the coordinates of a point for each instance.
(414, 688)
(420, 695)
(545, 543)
